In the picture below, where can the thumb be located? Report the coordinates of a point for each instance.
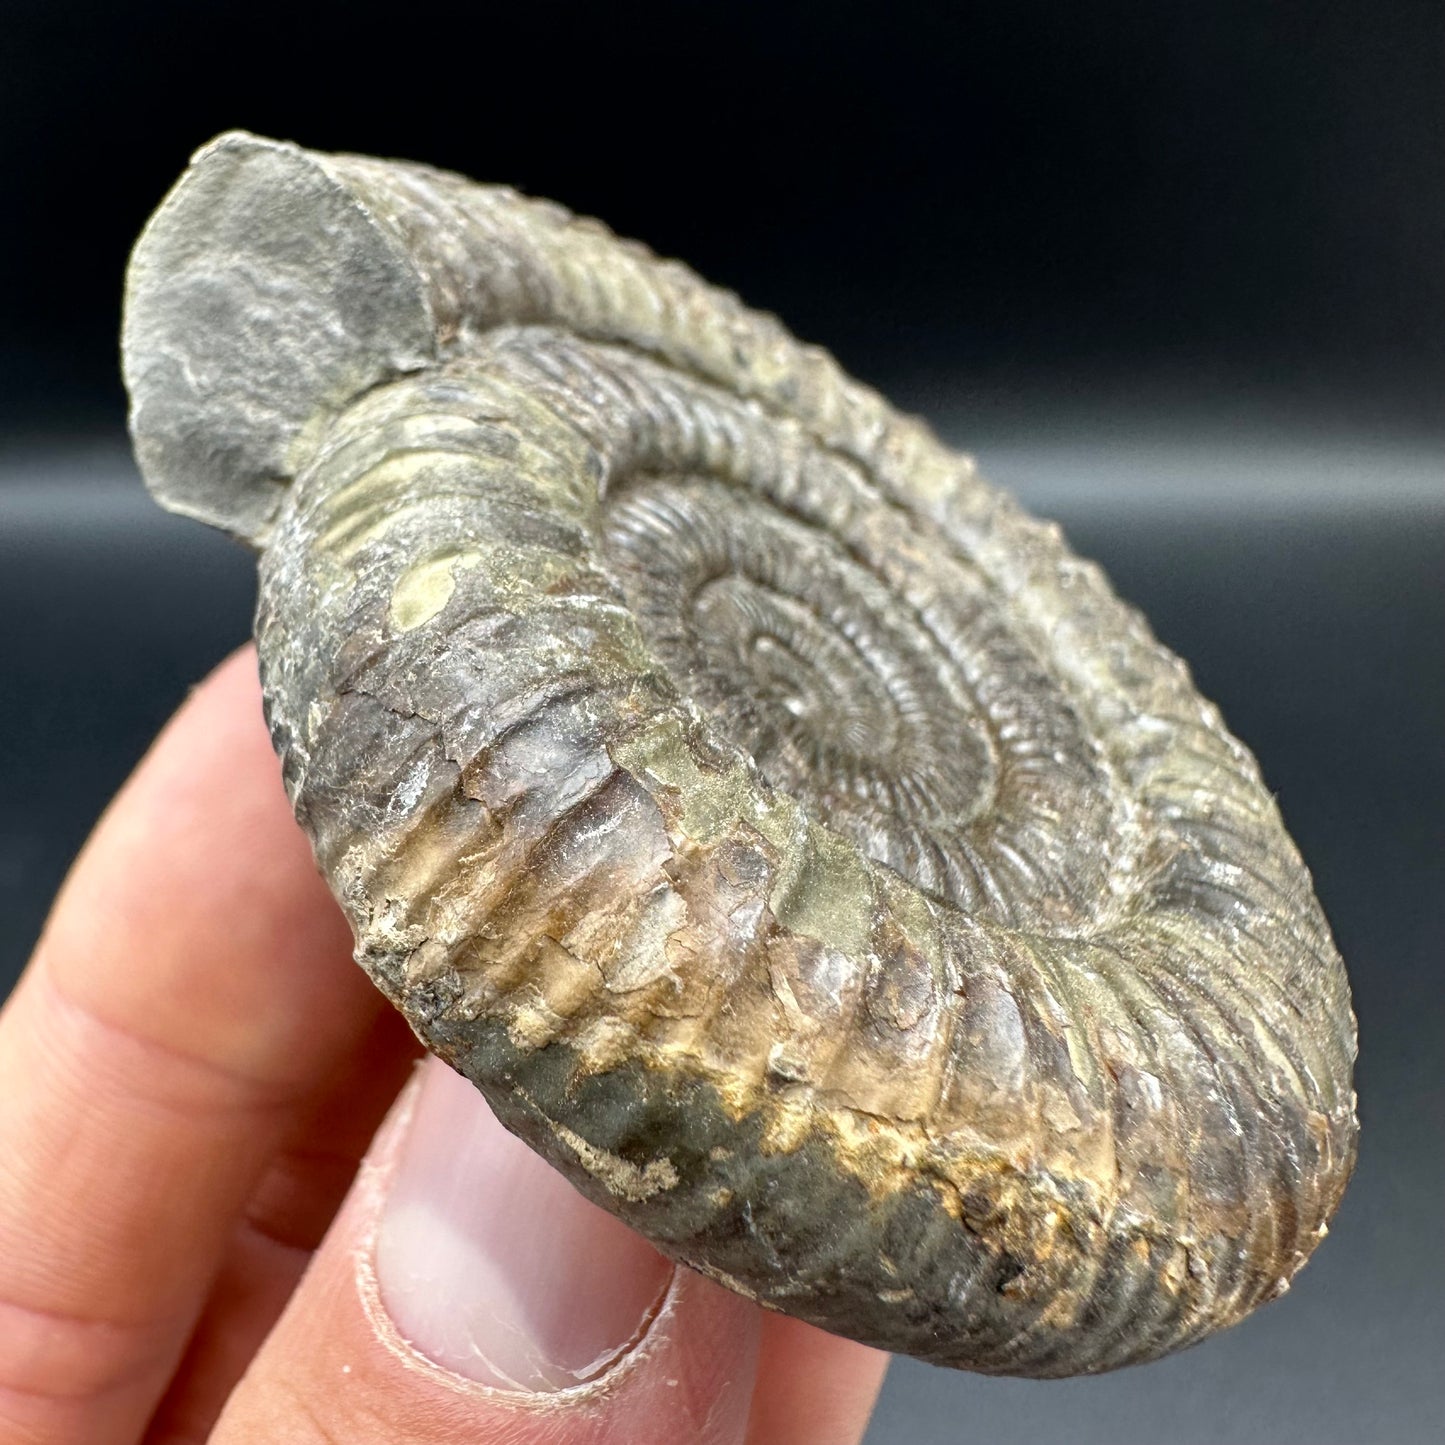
(467, 1293)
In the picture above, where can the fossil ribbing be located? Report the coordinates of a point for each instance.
(797, 844)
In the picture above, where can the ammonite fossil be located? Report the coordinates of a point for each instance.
(797, 845)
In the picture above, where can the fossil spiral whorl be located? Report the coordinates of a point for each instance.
(796, 843)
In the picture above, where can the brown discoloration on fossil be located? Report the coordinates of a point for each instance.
(799, 846)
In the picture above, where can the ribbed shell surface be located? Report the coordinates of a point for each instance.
(796, 843)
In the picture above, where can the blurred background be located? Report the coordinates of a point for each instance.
(1175, 273)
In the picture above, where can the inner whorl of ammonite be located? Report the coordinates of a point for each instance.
(801, 655)
(922, 738)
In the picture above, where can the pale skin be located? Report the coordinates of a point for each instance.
(191, 1070)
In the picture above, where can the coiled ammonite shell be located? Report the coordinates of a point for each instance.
(797, 845)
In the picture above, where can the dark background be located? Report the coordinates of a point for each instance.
(1232, 201)
(1175, 271)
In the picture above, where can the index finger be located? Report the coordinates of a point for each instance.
(192, 987)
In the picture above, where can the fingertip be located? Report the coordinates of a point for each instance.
(491, 1264)
(361, 1355)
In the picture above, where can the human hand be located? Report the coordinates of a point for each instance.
(191, 1070)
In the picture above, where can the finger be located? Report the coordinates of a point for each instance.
(193, 987)
(812, 1388)
(284, 1220)
(466, 1292)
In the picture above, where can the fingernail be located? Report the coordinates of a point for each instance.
(491, 1265)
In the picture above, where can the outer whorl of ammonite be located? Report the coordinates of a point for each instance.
(795, 842)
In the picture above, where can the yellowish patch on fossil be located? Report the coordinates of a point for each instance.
(425, 588)
(532, 1022)
(708, 803)
(788, 1125)
(622, 1177)
(1059, 1114)
(366, 506)
(823, 890)
(1174, 1273)
(627, 944)
(609, 1041)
